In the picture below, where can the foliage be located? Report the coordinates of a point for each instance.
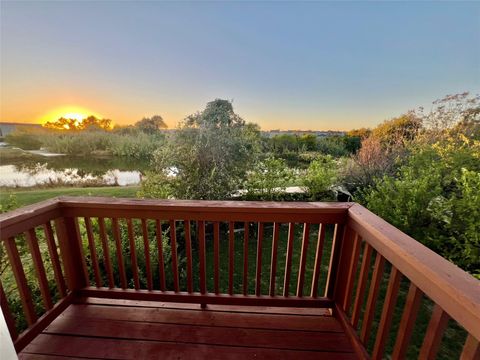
(435, 198)
(268, 180)
(8, 203)
(89, 123)
(151, 125)
(398, 131)
(321, 175)
(156, 186)
(209, 154)
(333, 145)
(25, 138)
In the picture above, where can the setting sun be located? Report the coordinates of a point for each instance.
(68, 112)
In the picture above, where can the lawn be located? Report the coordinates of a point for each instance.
(30, 196)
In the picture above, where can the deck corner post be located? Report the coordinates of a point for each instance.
(69, 242)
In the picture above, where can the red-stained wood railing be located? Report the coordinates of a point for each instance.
(159, 251)
(369, 247)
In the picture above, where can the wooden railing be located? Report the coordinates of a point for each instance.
(235, 253)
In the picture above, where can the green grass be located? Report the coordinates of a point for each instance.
(27, 197)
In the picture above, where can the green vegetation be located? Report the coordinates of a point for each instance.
(19, 198)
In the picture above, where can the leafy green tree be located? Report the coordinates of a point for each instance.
(209, 154)
(321, 175)
(151, 125)
(268, 179)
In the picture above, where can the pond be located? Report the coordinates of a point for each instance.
(26, 169)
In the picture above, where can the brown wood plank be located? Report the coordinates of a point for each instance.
(28, 335)
(161, 265)
(173, 249)
(146, 249)
(318, 260)
(28, 356)
(106, 252)
(202, 257)
(245, 258)
(206, 317)
(119, 250)
(433, 337)
(232, 336)
(7, 314)
(300, 311)
(258, 272)
(471, 349)
(387, 313)
(53, 251)
(32, 242)
(410, 311)
(188, 251)
(288, 259)
(133, 254)
(303, 259)
(21, 280)
(208, 298)
(352, 335)
(372, 298)
(135, 349)
(93, 252)
(216, 256)
(362, 284)
(273, 261)
(352, 271)
(231, 255)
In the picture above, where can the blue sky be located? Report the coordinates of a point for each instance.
(289, 65)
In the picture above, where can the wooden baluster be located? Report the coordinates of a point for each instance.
(133, 254)
(410, 311)
(273, 263)
(32, 242)
(433, 337)
(318, 260)
(471, 349)
(303, 259)
(258, 275)
(93, 252)
(52, 250)
(202, 257)
(146, 248)
(21, 280)
(188, 249)
(173, 242)
(372, 297)
(352, 271)
(336, 281)
(216, 256)
(83, 262)
(7, 314)
(106, 252)
(387, 313)
(245, 259)
(362, 284)
(161, 266)
(231, 255)
(118, 245)
(288, 260)
(70, 250)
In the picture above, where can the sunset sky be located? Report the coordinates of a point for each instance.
(288, 65)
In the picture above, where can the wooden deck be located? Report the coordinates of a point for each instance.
(124, 329)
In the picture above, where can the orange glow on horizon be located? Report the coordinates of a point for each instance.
(69, 112)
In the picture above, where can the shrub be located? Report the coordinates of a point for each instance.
(321, 175)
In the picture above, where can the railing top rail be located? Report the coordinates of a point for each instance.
(203, 205)
(456, 291)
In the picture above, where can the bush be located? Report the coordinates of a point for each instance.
(321, 175)
(24, 139)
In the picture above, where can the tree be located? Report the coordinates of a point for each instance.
(320, 177)
(209, 154)
(89, 123)
(151, 125)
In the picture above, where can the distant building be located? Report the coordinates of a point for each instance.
(8, 127)
(317, 133)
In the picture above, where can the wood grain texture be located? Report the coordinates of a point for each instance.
(433, 337)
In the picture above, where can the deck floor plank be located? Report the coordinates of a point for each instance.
(114, 330)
